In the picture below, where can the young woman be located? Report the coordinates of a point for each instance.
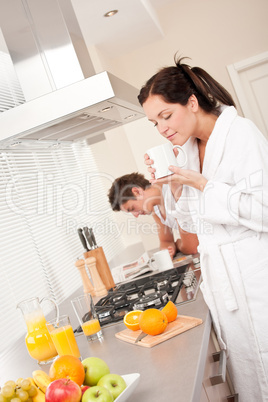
(225, 190)
(135, 194)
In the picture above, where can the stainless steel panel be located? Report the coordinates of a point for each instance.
(23, 49)
(41, 46)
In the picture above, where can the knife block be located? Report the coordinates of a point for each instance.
(102, 266)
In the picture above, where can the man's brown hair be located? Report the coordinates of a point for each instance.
(121, 190)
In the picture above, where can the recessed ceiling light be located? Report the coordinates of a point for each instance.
(111, 13)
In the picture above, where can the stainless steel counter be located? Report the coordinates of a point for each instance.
(170, 371)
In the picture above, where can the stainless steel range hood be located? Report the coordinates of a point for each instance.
(75, 112)
(73, 108)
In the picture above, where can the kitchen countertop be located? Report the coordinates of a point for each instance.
(170, 371)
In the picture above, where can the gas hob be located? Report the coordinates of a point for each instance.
(179, 284)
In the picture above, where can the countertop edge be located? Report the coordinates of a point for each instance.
(202, 360)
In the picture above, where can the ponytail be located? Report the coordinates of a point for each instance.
(177, 84)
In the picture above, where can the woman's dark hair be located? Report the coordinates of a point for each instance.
(121, 190)
(176, 84)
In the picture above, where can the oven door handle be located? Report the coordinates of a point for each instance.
(220, 377)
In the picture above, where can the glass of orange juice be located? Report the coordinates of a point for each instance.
(62, 336)
(85, 311)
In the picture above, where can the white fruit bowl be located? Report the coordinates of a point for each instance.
(132, 381)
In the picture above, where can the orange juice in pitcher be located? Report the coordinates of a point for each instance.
(38, 340)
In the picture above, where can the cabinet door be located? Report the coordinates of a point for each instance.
(219, 392)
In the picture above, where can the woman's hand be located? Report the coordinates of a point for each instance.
(184, 176)
(149, 162)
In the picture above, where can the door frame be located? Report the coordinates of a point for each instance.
(235, 69)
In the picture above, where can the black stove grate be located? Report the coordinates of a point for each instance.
(177, 284)
(141, 293)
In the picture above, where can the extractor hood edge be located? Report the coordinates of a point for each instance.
(62, 104)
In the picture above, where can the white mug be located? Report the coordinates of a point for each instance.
(163, 156)
(161, 260)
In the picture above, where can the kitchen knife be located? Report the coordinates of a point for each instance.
(82, 238)
(93, 238)
(88, 237)
(140, 337)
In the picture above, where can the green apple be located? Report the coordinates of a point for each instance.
(95, 368)
(114, 383)
(97, 394)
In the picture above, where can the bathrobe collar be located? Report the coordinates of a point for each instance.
(216, 142)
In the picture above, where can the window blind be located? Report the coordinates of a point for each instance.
(11, 94)
(45, 195)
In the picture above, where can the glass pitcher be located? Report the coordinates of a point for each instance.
(37, 339)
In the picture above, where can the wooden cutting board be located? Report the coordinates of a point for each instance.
(181, 324)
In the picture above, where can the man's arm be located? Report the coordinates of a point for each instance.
(187, 243)
(166, 237)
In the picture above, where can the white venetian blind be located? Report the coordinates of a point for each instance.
(11, 94)
(45, 195)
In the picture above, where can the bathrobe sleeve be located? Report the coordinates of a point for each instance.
(237, 192)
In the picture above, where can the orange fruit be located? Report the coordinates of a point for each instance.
(131, 319)
(171, 311)
(153, 321)
(67, 366)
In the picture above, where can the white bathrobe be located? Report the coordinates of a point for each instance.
(231, 220)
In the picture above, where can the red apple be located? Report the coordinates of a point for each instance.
(84, 388)
(63, 390)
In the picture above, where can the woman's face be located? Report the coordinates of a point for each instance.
(174, 122)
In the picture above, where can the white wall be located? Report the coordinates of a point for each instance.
(115, 158)
(213, 34)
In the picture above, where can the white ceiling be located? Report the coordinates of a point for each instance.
(135, 24)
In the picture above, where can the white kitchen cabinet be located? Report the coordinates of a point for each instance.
(220, 392)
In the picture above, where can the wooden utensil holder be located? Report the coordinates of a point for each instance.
(102, 266)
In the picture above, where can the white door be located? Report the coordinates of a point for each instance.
(250, 80)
